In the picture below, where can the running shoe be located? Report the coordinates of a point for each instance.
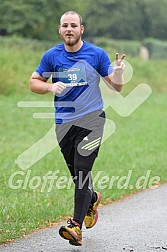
(72, 232)
(92, 213)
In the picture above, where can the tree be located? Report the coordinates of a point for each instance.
(33, 19)
(114, 18)
(128, 19)
(156, 18)
(21, 17)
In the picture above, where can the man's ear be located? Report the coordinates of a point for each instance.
(82, 29)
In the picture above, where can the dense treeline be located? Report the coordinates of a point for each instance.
(128, 19)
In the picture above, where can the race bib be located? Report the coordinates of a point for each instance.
(75, 76)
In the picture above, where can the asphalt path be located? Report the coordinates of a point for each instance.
(134, 224)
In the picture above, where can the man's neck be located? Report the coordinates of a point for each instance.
(74, 48)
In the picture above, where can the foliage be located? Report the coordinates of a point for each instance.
(33, 19)
(115, 19)
(16, 42)
(157, 49)
(128, 19)
(156, 21)
(130, 47)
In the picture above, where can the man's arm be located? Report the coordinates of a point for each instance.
(116, 80)
(38, 84)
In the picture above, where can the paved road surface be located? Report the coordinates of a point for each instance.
(136, 224)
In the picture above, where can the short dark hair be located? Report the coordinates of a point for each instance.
(73, 13)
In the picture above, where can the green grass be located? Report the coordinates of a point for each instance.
(26, 209)
(17, 66)
(138, 144)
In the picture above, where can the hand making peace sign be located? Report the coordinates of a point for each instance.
(119, 65)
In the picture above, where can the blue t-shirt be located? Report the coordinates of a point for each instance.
(81, 72)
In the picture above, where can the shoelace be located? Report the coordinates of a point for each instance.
(71, 223)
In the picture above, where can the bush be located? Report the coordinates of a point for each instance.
(19, 58)
(129, 47)
(157, 48)
(22, 43)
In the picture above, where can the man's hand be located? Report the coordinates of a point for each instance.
(58, 87)
(119, 66)
(115, 79)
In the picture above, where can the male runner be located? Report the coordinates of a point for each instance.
(76, 67)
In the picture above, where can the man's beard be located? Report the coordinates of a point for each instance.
(71, 42)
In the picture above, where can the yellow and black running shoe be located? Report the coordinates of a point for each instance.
(72, 232)
(92, 213)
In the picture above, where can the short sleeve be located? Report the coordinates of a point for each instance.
(45, 68)
(105, 67)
